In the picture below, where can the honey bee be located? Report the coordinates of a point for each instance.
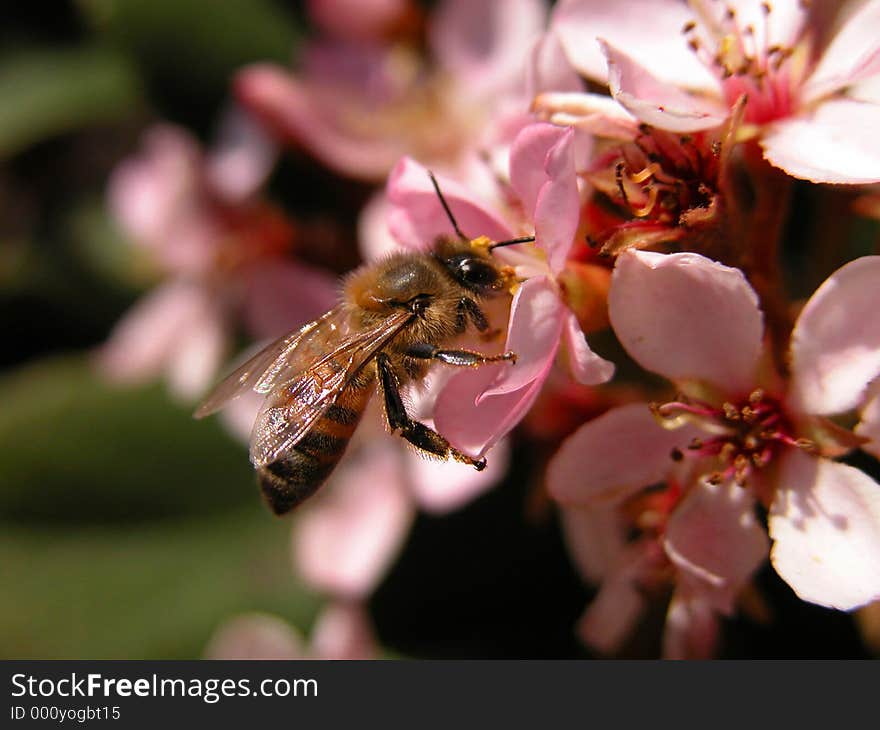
(390, 325)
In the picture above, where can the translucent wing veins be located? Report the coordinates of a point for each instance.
(261, 372)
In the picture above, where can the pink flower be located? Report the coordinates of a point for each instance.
(740, 432)
(476, 408)
(345, 541)
(342, 631)
(359, 105)
(221, 251)
(705, 547)
(358, 20)
(682, 68)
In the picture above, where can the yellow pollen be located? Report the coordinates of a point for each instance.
(508, 279)
(727, 451)
(481, 243)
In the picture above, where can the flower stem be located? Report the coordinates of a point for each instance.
(763, 227)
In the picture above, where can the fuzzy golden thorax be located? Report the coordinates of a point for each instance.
(431, 284)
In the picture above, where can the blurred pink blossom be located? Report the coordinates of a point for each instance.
(477, 408)
(342, 631)
(348, 537)
(360, 104)
(222, 253)
(681, 67)
(706, 547)
(739, 435)
(358, 20)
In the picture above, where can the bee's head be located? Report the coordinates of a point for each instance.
(469, 265)
(468, 260)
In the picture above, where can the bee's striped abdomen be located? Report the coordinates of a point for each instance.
(288, 482)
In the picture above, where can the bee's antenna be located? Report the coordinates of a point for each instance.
(446, 208)
(523, 239)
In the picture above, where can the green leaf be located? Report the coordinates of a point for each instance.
(73, 447)
(195, 42)
(155, 592)
(47, 92)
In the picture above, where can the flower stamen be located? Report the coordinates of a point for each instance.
(748, 433)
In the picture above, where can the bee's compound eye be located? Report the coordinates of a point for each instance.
(419, 303)
(475, 273)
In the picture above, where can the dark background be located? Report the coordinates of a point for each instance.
(130, 531)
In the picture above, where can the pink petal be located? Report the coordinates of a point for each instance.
(528, 159)
(474, 428)
(655, 102)
(685, 316)
(619, 605)
(825, 523)
(374, 237)
(345, 541)
(198, 354)
(649, 29)
(146, 191)
(557, 210)
(293, 109)
(176, 327)
(445, 486)
(343, 631)
(584, 365)
(691, 630)
(242, 157)
(614, 456)
(356, 20)
(283, 295)
(549, 69)
(715, 537)
(852, 56)
(835, 345)
(543, 175)
(481, 44)
(416, 217)
(867, 90)
(835, 143)
(536, 318)
(595, 114)
(869, 426)
(611, 617)
(239, 415)
(143, 338)
(595, 537)
(255, 636)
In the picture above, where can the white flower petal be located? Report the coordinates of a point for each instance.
(714, 535)
(347, 538)
(649, 29)
(685, 316)
(614, 456)
(869, 426)
(834, 143)
(825, 523)
(835, 345)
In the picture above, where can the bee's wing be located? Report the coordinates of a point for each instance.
(263, 370)
(294, 406)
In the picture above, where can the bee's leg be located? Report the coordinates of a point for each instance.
(468, 309)
(418, 434)
(461, 358)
